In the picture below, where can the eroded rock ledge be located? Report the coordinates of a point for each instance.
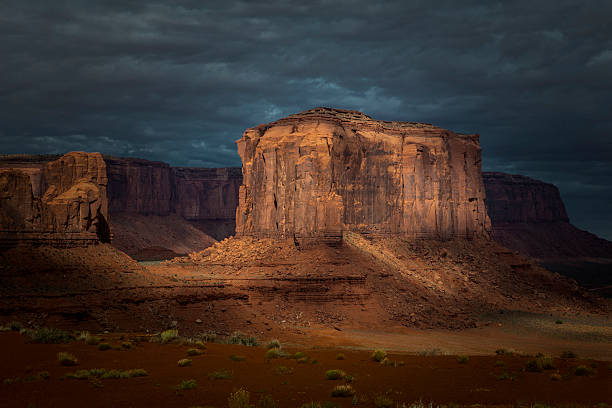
(318, 173)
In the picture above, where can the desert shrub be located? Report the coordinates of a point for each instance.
(15, 326)
(379, 355)
(303, 360)
(49, 336)
(44, 375)
(499, 363)
(340, 356)
(505, 376)
(66, 359)
(90, 340)
(239, 399)
(221, 375)
(298, 355)
(126, 345)
(311, 404)
(558, 321)
(335, 374)
(83, 335)
(342, 391)
(272, 353)
(386, 362)
(583, 370)
(243, 339)
(462, 359)
(282, 370)
(569, 354)
(184, 362)
(102, 373)
(194, 352)
(267, 402)
(199, 344)
(209, 337)
(556, 377)
(168, 336)
(348, 378)
(383, 401)
(539, 363)
(430, 352)
(504, 352)
(274, 343)
(235, 357)
(104, 346)
(187, 385)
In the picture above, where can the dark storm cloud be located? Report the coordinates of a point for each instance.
(180, 81)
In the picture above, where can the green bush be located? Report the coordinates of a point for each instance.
(274, 343)
(335, 374)
(220, 375)
(342, 391)
(235, 357)
(298, 355)
(194, 352)
(462, 359)
(67, 359)
(49, 336)
(272, 353)
(102, 373)
(558, 321)
(15, 326)
(126, 345)
(243, 339)
(104, 346)
(339, 356)
(169, 335)
(187, 385)
(583, 370)
(383, 401)
(505, 376)
(239, 399)
(184, 362)
(379, 355)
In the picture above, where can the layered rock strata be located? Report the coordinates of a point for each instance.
(318, 173)
(529, 216)
(72, 211)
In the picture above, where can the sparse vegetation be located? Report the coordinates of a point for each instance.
(184, 362)
(239, 399)
(383, 401)
(102, 373)
(462, 359)
(48, 335)
(235, 357)
(539, 363)
(67, 359)
(104, 346)
(569, 354)
(311, 404)
(335, 374)
(267, 401)
(558, 321)
(126, 345)
(583, 370)
(221, 375)
(282, 370)
(504, 352)
(340, 356)
(505, 376)
(430, 352)
(243, 339)
(556, 377)
(343, 391)
(500, 363)
(379, 355)
(194, 352)
(169, 336)
(272, 353)
(187, 385)
(274, 343)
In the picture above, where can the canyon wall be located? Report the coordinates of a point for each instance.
(60, 202)
(318, 173)
(529, 216)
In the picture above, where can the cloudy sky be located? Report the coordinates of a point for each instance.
(179, 81)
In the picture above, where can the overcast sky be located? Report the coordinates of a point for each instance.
(180, 81)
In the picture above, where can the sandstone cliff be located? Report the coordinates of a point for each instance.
(320, 172)
(72, 211)
(529, 216)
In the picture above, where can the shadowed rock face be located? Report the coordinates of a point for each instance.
(317, 173)
(529, 216)
(73, 210)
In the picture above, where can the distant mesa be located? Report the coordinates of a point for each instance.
(315, 174)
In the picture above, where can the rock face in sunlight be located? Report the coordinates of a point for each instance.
(529, 216)
(72, 211)
(318, 173)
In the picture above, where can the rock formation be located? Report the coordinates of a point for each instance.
(72, 211)
(320, 172)
(529, 216)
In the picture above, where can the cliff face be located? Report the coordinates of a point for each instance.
(73, 210)
(139, 186)
(317, 173)
(529, 216)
